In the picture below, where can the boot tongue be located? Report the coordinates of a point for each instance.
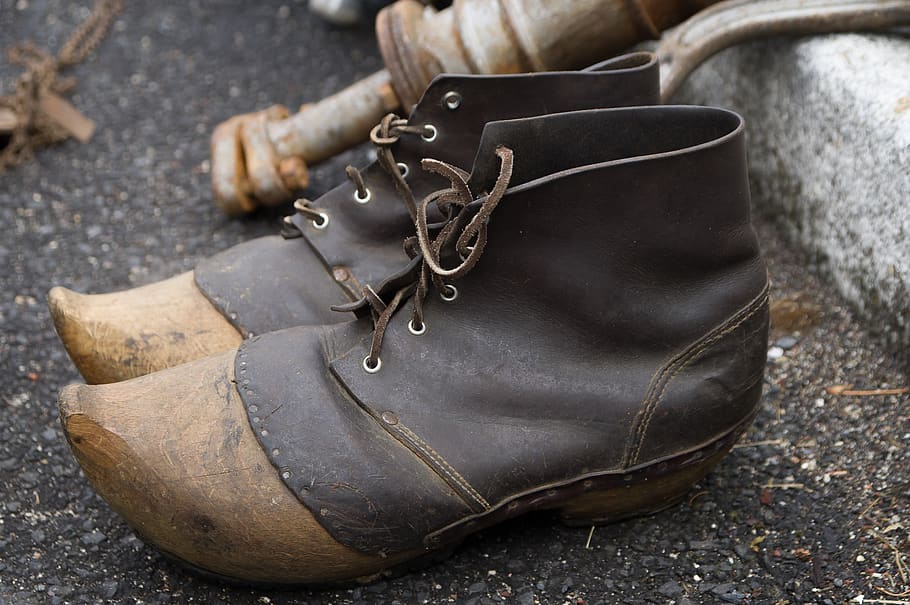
(519, 136)
(542, 145)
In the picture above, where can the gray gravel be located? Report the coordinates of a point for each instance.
(812, 507)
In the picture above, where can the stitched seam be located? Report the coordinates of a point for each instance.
(657, 378)
(683, 362)
(671, 369)
(445, 467)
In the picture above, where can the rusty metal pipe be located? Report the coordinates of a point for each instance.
(507, 36)
(316, 131)
(734, 21)
(260, 158)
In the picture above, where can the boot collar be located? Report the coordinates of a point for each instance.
(622, 134)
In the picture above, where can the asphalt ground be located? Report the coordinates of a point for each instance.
(811, 507)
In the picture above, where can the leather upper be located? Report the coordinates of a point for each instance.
(617, 317)
(272, 283)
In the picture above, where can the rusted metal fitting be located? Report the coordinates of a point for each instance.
(245, 166)
(511, 36)
(261, 158)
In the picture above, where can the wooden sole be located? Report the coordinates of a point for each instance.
(650, 489)
(121, 335)
(174, 454)
(603, 507)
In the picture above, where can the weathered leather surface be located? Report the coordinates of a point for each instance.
(325, 465)
(617, 317)
(270, 283)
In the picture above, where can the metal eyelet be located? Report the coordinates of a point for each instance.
(371, 369)
(449, 293)
(433, 132)
(469, 249)
(365, 199)
(323, 223)
(452, 100)
(404, 169)
(416, 331)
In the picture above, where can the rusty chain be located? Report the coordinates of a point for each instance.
(33, 128)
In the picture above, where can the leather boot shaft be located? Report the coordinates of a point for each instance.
(615, 320)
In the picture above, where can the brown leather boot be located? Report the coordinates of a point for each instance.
(585, 332)
(349, 237)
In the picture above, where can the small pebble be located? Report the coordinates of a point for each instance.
(93, 538)
(786, 342)
(109, 589)
(525, 598)
(670, 589)
(775, 352)
(477, 587)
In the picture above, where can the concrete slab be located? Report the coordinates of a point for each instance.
(829, 133)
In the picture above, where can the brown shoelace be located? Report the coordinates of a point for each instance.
(465, 232)
(384, 136)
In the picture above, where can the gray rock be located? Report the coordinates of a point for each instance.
(525, 598)
(670, 589)
(721, 589)
(109, 589)
(786, 342)
(828, 121)
(477, 588)
(93, 538)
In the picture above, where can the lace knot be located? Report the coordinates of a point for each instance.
(464, 231)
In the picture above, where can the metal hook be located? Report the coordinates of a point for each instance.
(734, 21)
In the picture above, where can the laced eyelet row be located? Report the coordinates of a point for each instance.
(383, 136)
(431, 272)
(449, 293)
(318, 218)
(371, 368)
(322, 222)
(416, 331)
(452, 100)
(368, 195)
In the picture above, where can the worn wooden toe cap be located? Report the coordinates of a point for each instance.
(174, 454)
(121, 335)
